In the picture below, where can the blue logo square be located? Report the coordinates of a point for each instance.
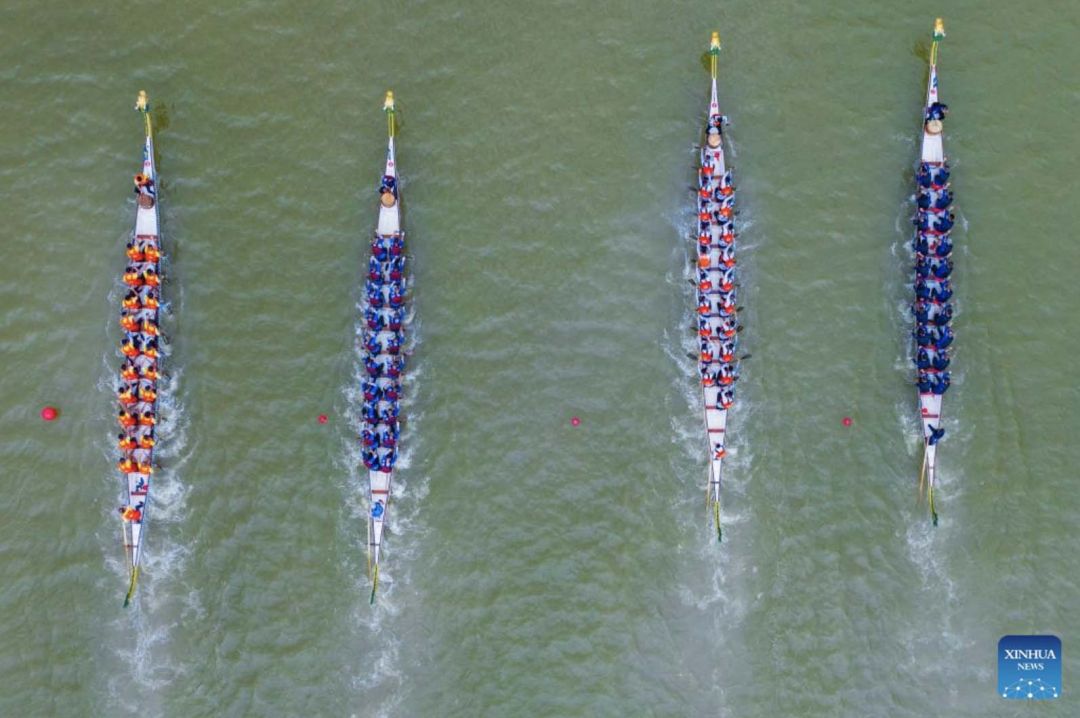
(1029, 667)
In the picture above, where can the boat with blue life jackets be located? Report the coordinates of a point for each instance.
(382, 342)
(933, 247)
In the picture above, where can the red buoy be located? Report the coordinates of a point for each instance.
(323, 418)
(846, 421)
(50, 413)
(575, 421)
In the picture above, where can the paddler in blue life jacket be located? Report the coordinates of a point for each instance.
(921, 311)
(936, 435)
(944, 222)
(922, 221)
(942, 292)
(921, 244)
(944, 338)
(371, 460)
(374, 319)
(923, 336)
(924, 383)
(943, 268)
(391, 392)
(924, 200)
(944, 315)
(922, 359)
(386, 465)
(941, 359)
(939, 176)
(374, 269)
(941, 384)
(922, 267)
(937, 111)
(380, 248)
(373, 345)
(372, 367)
(923, 177)
(367, 438)
(396, 318)
(397, 246)
(370, 414)
(944, 247)
(370, 390)
(388, 184)
(922, 289)
(944, 199)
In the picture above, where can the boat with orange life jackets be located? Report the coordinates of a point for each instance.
(933, 266)
(383, 352)
(715, 268)
(137, 390)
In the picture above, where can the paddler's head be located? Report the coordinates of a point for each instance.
(714, 137)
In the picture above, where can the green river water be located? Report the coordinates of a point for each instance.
(534, 568)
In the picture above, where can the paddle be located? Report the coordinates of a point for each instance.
(131, 587)
(374, 584)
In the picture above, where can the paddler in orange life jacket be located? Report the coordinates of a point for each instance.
(150, 327)
(150, 349)
(144, 185)
(125, 419)
(128, 372)
(151, 278)
(130, 301)
(147, 419)
(147, 394)
(150, 298)
(726, 398)
(129, 322)
(126, 397)
(131, 514)
(127, 465)
(125, 442)
(134, 253)
(153, 254)
(146, 440)
(131, 276)
(150, 373)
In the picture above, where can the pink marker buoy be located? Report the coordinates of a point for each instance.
(323, 418)
(575, 421)
(846, 421)
(49, 413)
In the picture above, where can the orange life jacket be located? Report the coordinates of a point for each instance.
(706, 381)
(126, 397)
(726, 211)
(146, 442)
(151, 302)
(128, 373)
(151, 279)
(704, 193)
(127, 466)
(150, 352)
(706, 356)
(132, 279)
(132, 515)
(704, 285)
(729, 262)
(147, 395)
(126, 443)
(145, 420)
(727, 358)
(704, 240)
(725, 380)
(145, 467)
(703, 332)
(725, 403)
(707, 169)
(727, 286)
(149, 328)
(720, 453)
(703, 261)
(728, 237)
(132, 303)
(128, 349)
(703, 309)
(727, 190)
(125, 419)
(134, 254)
(153, 254)
(704, 216)
(150, 373)
(129, 323)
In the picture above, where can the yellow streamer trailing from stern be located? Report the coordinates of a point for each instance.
(388, 108)
(714, 52)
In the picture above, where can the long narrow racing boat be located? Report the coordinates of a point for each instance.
(717, 323)
(933, 267)
(382, 339)
(137, 393)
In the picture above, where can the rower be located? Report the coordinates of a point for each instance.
(924, 383)
(944, 199)
(944, 315)
(923, 337)
(147, 395)
(922, 359)
(129, 322)
(923, 201)
(921, 312)
(922, 268)
(153, 254)
(937, 111)
(145, 467)
(391, 393)
(144, 185)
(131, 514)
(374, 269)
(943, 268)
(945, 222)
(939, 176)
(396, 318)
(147, 418)
(130, 300)
(936, 434)
(941, 360)
(127, 465)
(726, 398)
(944, 247)
(131, 276)
(941, 385)
(125, 419)
(942, 292)
(134, 253)
(128, 371)
(146, 440)
(944, 338)
(125, 442)
(367, 438)
(920, 244)
(151, 278)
